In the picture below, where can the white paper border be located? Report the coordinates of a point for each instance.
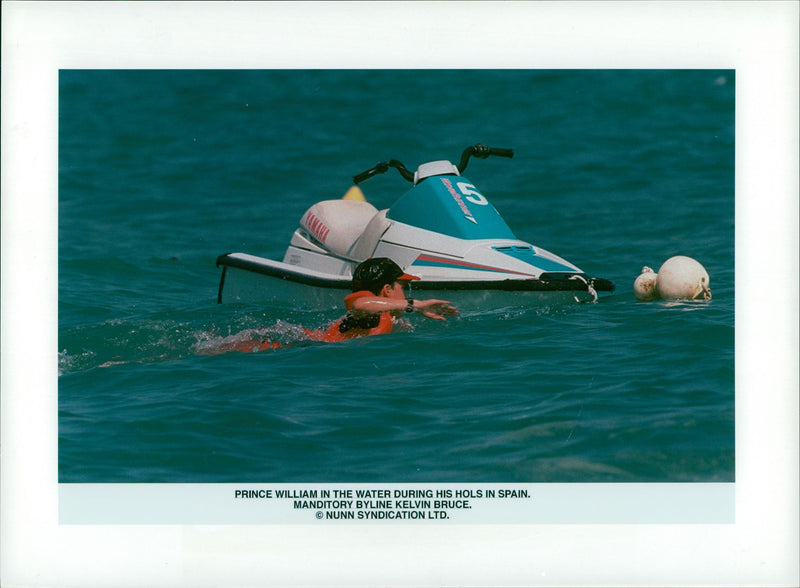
(758, 39)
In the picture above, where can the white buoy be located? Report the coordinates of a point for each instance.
(683, 277)
(645, 285)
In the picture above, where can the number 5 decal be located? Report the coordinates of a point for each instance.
(472, 194)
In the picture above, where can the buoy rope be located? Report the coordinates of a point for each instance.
(706, 292)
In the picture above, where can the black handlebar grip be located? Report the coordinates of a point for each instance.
(365, 175)
(500, 152)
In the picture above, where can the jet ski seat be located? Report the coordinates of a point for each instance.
(337, 224)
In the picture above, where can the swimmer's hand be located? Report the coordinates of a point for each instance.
(437, 310)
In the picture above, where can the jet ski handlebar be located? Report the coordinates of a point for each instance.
(382, 168)
(481, 152)
(478, 150)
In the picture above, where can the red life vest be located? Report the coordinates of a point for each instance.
(334, 333)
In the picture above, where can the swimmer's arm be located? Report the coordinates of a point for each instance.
(433, 309)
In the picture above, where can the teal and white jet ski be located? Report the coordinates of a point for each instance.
(443, 230)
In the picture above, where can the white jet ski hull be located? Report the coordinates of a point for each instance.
(443, 230)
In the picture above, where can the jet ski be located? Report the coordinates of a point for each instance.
(443, 230)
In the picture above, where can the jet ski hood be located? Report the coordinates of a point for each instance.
(450, 205)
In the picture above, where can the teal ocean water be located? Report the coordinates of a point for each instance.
(162, 171)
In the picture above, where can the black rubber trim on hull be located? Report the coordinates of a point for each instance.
(551, 284)
(599, 284)
(547, 282)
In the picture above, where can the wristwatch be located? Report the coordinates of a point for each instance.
(409, 305)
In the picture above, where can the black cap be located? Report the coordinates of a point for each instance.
(374, 273)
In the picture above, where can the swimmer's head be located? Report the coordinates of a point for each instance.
(374, 273)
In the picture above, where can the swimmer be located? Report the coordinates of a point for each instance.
(378, 298)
